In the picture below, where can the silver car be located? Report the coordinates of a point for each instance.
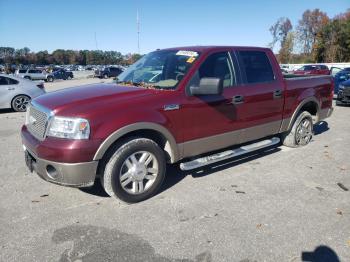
(32, 74)
(16, 92)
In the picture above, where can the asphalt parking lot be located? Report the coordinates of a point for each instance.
(280, 205)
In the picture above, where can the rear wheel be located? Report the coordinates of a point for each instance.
(69, 77)
(20, 103)
(301, 131)
(105, 76)
(135, 171)
(50, 79)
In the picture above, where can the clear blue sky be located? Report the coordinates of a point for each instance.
(71, 24)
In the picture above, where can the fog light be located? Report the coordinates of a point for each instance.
(51, 172)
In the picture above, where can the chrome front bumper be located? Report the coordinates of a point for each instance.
(66, 174)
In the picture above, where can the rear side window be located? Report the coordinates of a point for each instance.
(22, 71)
(256, 67)
(12, 81)
(34, 71)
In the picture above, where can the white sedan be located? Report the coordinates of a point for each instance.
(16, 92)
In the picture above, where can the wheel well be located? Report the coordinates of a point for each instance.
(310, 107)
(153, 135)
(18, 96)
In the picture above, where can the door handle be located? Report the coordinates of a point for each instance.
(237, 100)
(10, 88)
(277, 93)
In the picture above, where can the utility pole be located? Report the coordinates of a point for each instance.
(138, 30)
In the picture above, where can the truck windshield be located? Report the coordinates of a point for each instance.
(162, 69)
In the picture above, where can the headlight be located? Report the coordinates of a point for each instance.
(341, 87)
(72, 128)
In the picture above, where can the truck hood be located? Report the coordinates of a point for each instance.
(79, 100)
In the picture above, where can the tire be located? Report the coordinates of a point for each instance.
(69, 77)
(27, 77)
(301, 131)
(19, 103)
(105, 76)
(50, 79)
(135, 170)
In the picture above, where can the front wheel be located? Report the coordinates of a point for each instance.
(135, 171)
(301, 132)
(20, 103)
(50, 79)
(105, 76)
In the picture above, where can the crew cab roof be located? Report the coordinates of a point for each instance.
(213, 48)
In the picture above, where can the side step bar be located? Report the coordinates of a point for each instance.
(207, 160)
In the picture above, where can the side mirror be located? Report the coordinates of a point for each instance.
(208, 86)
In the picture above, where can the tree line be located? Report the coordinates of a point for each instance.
(24, 56)
(315, 39)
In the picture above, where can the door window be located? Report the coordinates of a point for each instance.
(217, 65)
(256, 67)
(7, 81)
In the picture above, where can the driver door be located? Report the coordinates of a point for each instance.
(210, 121)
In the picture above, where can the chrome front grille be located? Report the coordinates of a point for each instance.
(37, 122)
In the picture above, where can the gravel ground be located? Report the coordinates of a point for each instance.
(280, 205)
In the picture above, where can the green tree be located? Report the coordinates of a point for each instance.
(333, 41)
(309, 26)
(285, 53)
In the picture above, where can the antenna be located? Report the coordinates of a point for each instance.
(138, 30)
(96, 42)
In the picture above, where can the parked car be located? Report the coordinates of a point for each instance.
(343, 97)
(339, 78)
(60, 74)
(17, 92)
(32, 74)
(206, 99)
(286, 68)
(107, 72)
(312, 70)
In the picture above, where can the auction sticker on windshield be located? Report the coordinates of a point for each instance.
(187, 53)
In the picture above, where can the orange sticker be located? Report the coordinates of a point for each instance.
(191, 59)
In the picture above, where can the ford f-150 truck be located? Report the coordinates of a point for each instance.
(188, 105)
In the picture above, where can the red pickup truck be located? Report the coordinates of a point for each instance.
(174, 105)
(313, 70)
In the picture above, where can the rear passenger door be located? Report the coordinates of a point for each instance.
(259, 99)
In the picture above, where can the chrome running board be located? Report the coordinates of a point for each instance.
(207, 160)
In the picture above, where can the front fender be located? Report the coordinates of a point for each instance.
(172, 150)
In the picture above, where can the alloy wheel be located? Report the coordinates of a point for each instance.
(138, 172)
(20, 103)
(304, 132)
